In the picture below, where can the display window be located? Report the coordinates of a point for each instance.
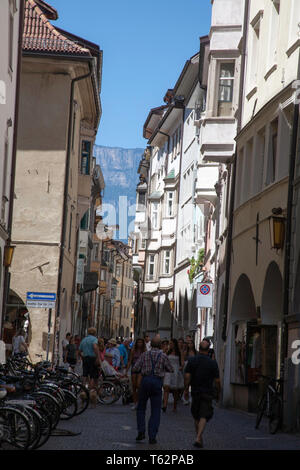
(254, 352)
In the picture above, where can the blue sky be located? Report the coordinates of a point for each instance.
(145, 45)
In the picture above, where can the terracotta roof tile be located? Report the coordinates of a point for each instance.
(41, 36)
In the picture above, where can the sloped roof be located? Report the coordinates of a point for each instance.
(41, 36)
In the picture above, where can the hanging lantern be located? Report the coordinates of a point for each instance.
(277, 232)
(8, 255)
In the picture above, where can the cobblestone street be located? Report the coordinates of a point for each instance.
(114, 428)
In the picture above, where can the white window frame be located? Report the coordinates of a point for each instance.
(219, 80)
(155, 215)
(167, 262)
(170, 204)
(151, 262)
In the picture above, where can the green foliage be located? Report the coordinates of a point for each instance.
(196, 265)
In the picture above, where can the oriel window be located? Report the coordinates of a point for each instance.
(226, 84)
(85, 157)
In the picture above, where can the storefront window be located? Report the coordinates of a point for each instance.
(254, 352)
(238, 368)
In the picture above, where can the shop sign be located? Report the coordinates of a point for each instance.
(204, 294)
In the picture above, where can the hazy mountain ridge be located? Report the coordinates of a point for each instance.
(119, 167)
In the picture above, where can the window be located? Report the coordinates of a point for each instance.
(294, 29)
(273, 34)
(255, 50)
(96, 248)
(84, 224)
(155, 215)
(167, 259)
(151, 267)
(170, 204)
(142, 201)
(118, 270)
(85, 157)
(259, 161)
(143, 243)
(226, 83)
(272, 153)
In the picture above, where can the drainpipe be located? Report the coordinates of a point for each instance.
(288, 236)
(14, 157)
(176, 233)
(65, 206)
(233, 174)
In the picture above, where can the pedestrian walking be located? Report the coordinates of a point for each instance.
(211, 351)
(190, 352)
(101, 347)
(173, 381)
(112, 348)
(71, 354)
(147, 342)
(123, 355)
(138, 349)
(19, 345)
(202, 373)
(165, 346)
(65, 343)
(152, 365)
(89, 353)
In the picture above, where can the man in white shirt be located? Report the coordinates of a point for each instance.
(65, 343)
(147, 342)
(18, 343)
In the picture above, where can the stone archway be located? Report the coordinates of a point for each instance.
(165, 320)
(186, 312)
(152, 321)
(121, 331)
(243, 303)
(272, 297)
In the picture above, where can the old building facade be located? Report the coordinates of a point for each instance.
(58, 120)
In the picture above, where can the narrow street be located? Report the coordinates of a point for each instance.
(114, 428)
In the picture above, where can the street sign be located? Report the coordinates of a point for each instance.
(204, 294)
(40, 300)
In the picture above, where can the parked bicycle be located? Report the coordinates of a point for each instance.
(39, 397)
(270, 404)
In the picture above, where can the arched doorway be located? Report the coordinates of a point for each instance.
(165, 320)
(16, 317)
(271, 315)
(152, 321)
(186, 312)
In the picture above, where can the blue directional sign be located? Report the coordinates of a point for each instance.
(40, 299)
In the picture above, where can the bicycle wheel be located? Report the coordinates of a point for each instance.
(70, 405)
(261, 408)
(275, 414)
(14, 428)
(50, 406)
(82, 395)
(107, 393)
(45, 427)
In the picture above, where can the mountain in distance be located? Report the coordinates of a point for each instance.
(119, 167)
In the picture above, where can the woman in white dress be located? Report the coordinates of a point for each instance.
(173, 381)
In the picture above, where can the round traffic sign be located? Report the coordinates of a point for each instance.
(204, 289)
